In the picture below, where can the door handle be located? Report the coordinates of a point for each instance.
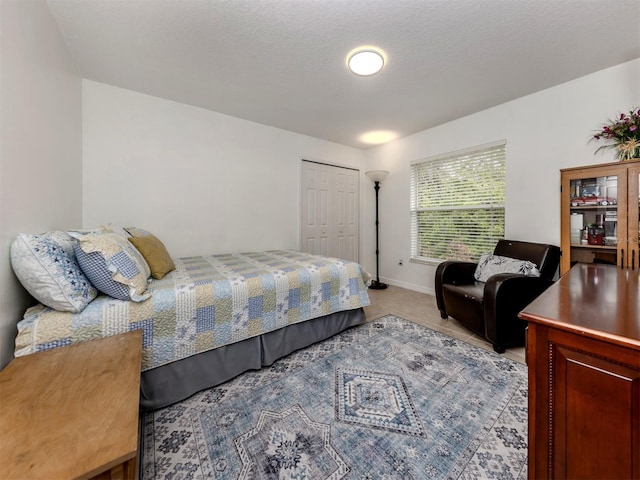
(622, 257)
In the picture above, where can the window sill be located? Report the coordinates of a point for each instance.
(426, 261)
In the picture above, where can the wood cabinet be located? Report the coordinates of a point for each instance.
(583, 353)
(599, 215)
(72, 412)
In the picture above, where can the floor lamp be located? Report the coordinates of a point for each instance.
(377, 176)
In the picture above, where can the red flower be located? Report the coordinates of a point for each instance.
(625, 131)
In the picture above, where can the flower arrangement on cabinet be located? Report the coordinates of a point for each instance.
(622, 134)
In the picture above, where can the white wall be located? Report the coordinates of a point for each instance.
(544, 131)
(203, 182)
(40, 143)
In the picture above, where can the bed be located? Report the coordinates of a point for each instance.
(214, 317)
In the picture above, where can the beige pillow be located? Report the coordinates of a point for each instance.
(155, 253)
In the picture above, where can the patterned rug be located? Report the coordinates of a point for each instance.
(386, 400)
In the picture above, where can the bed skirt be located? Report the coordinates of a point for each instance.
(176, 381)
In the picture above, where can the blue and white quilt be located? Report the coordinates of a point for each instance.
(206, 303)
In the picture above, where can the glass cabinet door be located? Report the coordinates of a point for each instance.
(592, 230)
(594, 219)
(633, 260)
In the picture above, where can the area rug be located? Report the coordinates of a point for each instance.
(386, 400)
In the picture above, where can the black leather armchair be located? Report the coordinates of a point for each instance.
(491, 309)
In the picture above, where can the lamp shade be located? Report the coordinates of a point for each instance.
(377, 175)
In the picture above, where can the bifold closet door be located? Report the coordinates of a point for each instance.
(316, 186)
(329, 210)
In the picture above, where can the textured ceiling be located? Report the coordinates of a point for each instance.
(282, 62)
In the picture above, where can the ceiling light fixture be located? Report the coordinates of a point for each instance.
(365, 61)
(378, 137)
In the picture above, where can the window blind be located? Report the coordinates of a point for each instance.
(457, 204)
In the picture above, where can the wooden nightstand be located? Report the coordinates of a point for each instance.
(72, 412)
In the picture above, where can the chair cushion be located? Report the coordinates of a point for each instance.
(493, 264)
(472, 291)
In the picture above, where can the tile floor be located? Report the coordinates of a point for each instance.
(421, 308)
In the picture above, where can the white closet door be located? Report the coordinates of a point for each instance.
(315, 208)
(329, 210)
(346, 214)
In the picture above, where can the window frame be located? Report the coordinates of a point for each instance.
(497, 149)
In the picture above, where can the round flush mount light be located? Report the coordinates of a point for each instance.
(365, 61)
(377, 137)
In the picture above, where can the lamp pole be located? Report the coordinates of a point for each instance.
(377, 176)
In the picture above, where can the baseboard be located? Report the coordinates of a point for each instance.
(409, 286)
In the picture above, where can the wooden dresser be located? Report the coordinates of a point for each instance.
(583, 352)
(72, 412)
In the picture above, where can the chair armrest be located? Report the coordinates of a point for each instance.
(506, 295)
(455, 272)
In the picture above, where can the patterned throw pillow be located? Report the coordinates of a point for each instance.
(46, 266)
(114, 266)
(493, 264)
(113, 228)
(78, 233)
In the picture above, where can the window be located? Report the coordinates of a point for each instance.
(457, 204)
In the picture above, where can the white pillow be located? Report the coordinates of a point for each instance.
(492, 264)
(46, 266)
(114, 266)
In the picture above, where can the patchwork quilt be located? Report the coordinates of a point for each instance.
(206, 303)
